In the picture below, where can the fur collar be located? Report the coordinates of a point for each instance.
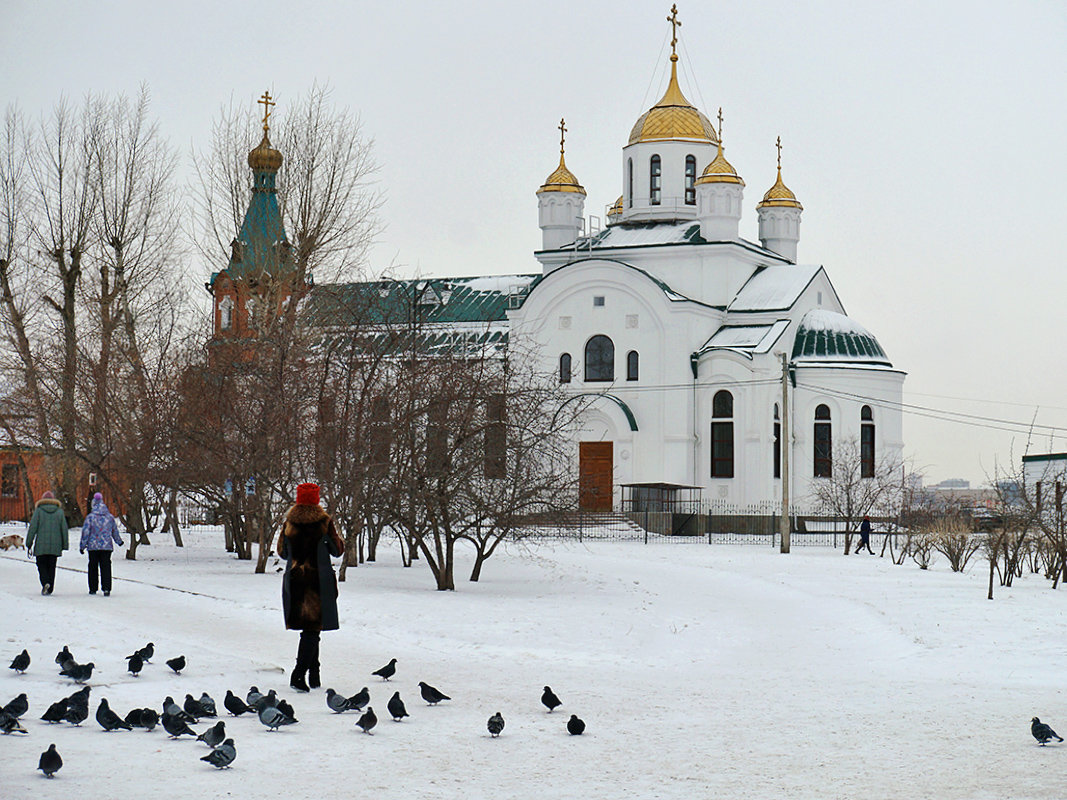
(305, 515)
(47, 501)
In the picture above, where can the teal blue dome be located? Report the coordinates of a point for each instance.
(831, 337)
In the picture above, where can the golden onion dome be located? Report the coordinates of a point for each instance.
(264, 157)
(616, 209)
(562, 180)
(720, 171)
(780, 195)
(673, 117)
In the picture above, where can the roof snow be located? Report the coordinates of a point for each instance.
(774, 288)
(747, 339)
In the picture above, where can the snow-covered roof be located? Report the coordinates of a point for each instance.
(651, 234)
(774, 288)
(826, 336)
(746, 339)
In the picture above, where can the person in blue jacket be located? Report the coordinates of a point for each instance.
(100, 534)
(865, 535)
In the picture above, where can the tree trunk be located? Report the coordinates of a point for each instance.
(479, 559)
(992, 564)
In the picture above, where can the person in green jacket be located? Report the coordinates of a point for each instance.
(47, 538)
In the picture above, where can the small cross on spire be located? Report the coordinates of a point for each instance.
(778, 144)
(562, 135)
(675, 25)
(266, 102)
(720, 123)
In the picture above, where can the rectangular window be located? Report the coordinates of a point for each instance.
(655, 177)
(867, 451)
(598, 301)
(496, 465)
(438, 458)
(380, 437)
(823, 450)
(778, 450)
(722, 449)
(9, 482)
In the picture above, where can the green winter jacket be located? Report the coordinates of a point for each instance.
(47, 534)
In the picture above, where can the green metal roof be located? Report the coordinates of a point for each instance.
(828, 336)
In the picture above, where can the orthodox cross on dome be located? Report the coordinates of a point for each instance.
(266, 102)
(562, 134)
(778, 144)
(720, 123)
(675, 25)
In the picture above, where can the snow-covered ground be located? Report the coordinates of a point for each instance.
(722, 671)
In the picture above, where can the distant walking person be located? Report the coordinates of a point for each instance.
(309, 587)
(100, 534)
(865, 535)
(47, 538)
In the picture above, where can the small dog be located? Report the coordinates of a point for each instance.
(12, 540)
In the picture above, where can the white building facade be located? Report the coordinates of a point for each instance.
(676, 328)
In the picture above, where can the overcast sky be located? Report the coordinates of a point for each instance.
(925, 140)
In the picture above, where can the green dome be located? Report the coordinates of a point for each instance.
(832, 337)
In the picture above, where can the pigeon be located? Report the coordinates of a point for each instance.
(80, 697)
(172, 709)
(176, 726)
(108, 719)
(338, 704)
(359, 699)
(495, 724)
(10, 724)
(287, 709)
(208, 704)
(50, 762)
(388, 671)
(268, 700)
(79, 673)
(134, 717)
(1042, 732)
(177, 664)
(20, 662)
(253, 696)
(77, 713)
(575, 727)
(149, 718)
(17, 707)
(274, 719)
(194, 709)
(64, 658)
(396, 707)
(368, 720)
(147, 652)
(222, 756)
(214, 735)
(235, 705)
(431, 695)
(551, 702)
(55, 711)
(136, 664)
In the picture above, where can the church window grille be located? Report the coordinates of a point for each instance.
(722, 435)
(565, 368)
(777, 443)
(866, 442)
(632, 365)
(690, 180)
(823, 466)
(599, 359)
(655, 178)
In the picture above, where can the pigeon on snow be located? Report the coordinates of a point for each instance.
(50, 762)
(368, 720)
(194, 709)
(235, 705)
(208, 704)
(396, 707)
(359, 699)
(253, 696)
(79, 673)
(149, 719)
(55, 711)
(222, 756)
(286, 709)
(136, 664)
(268, 700)
(431, 695)
(214, 735)
(17, 707)
(388, 671)
(20, 662)
(575, 727)
(495, 724)
(65, 659)
(10, 724)
(147, 652)
(338, 704)
(108, 719)
(176, 726)
(177, 664)
(172, 709)
(1042, 732)
(274, 718)
(551, 702)
(77, 713)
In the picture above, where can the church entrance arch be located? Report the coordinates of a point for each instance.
(595, 476)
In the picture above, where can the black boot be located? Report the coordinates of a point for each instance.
(296, 680)
(313, 664)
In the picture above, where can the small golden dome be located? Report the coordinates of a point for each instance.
(673, 117)
(720, 171)
(265, 157)
(616, 209)
(562, 180)
(780, 195)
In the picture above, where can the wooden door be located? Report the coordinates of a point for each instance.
(595, 462)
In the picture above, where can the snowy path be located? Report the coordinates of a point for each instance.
(701, 672)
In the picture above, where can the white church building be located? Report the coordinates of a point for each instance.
(679, 330)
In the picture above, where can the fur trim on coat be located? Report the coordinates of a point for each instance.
(309, 587)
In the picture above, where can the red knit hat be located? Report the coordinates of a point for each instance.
(307, 494)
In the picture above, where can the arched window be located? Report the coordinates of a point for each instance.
(777, 443)
(722, 435)
(629, 183)
(565, 368)
(866, 442)
(655, 178)
(824, 442)
(631, 365)
(690, 180)
(599, 359)
(226, 313)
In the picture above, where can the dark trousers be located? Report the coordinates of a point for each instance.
(100, 570)
(307, 655)
(46, 570)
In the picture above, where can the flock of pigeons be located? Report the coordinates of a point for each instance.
(272, 711)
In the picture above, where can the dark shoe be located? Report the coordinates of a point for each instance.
(107, 594)
(44, 589)
(48, 588)
(296, 681)
(313, 677)
(92, 591)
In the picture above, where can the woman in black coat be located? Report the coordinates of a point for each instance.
(309, 587)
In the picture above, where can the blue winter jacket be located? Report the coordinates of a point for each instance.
(99, 529)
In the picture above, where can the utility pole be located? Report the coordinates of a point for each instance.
(785, 448)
